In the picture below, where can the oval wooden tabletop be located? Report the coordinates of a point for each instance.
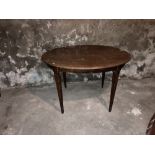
(86, 57)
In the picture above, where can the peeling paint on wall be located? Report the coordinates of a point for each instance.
(22, 42)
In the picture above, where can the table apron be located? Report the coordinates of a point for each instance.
(87, 70)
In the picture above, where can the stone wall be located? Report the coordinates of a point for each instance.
(22, 42)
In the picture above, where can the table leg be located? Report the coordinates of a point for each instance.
(113, 87)
(59, 87)
(64, 79)
(103, 77)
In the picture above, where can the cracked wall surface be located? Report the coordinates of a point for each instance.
(22, 42)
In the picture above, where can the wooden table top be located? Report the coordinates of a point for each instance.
(86, 57)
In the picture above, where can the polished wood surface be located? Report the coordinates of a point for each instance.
(103, 77)
(59, 88)
(86, 58)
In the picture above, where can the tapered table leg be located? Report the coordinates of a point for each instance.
(103, 77)
(113, 87)
(59, 87)
(64, 79)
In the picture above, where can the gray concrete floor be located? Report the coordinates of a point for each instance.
(36, 110)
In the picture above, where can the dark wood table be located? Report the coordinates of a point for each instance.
(84, 59)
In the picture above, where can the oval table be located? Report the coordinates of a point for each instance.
(84, 59)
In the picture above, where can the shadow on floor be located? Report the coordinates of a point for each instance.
(72, 93)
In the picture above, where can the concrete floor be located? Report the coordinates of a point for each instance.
(36, 110)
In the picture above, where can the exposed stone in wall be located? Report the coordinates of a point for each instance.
(22, 42)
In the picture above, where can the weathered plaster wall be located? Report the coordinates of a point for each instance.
(22, 42)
